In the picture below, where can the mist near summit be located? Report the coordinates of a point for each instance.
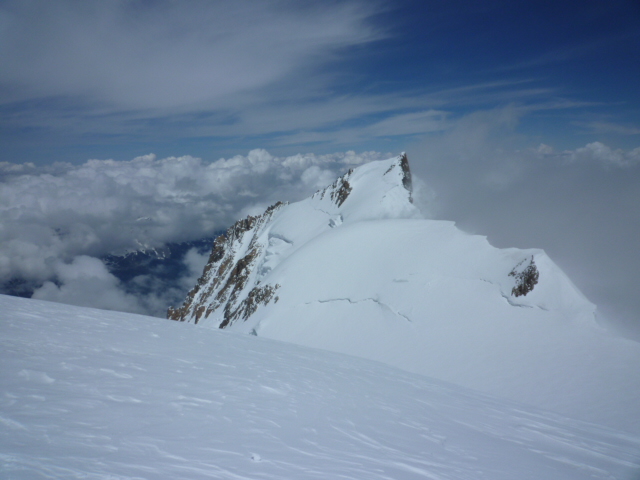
(579, 205)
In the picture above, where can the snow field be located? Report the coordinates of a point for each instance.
(104, 395)
(427, 298)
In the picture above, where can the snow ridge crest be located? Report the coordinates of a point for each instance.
(231, 286)
(224, 281)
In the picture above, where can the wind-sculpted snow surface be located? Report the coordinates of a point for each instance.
(355, 269)
(103, 395)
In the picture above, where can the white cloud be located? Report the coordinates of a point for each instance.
(169, 54)
(593, 153)
(411, 123)
(599, 152)
(480, 146)
(87, 282)
(195, 263)
(609, 127)
(316, 177)
(578, 205)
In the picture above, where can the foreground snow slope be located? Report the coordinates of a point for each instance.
(104, 395)
(354, 269)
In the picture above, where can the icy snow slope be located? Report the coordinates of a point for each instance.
(103, 395)
(354, 269)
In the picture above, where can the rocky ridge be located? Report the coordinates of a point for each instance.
(224, 286)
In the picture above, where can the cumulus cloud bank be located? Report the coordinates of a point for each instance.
(599, 152)
(86, 282)
(56, 222)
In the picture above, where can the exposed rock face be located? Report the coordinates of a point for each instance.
(224, 285)
(338, 191)
(406, 173)
(247, 307)
(526, 278)
(406, 179)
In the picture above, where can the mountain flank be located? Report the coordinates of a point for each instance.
(355, 268)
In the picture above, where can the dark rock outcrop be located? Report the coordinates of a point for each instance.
(226, 275)
(406, 174)
(338, 191)
(526, 278)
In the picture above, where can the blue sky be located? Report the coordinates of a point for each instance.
(119, 79)
(521, 117)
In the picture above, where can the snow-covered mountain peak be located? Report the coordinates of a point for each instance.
(241, 273)
(252, 247)
(355, 269)
(375, 190)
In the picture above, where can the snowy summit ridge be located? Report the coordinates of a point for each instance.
(231, 286)
(356, 269)
(236, 281)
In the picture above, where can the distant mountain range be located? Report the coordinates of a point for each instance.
(165, 264)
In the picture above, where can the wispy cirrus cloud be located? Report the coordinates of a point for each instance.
(168, 55)
(123, 71)
(276, 73)
(602, 127)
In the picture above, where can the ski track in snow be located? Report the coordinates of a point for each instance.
(104, 395)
